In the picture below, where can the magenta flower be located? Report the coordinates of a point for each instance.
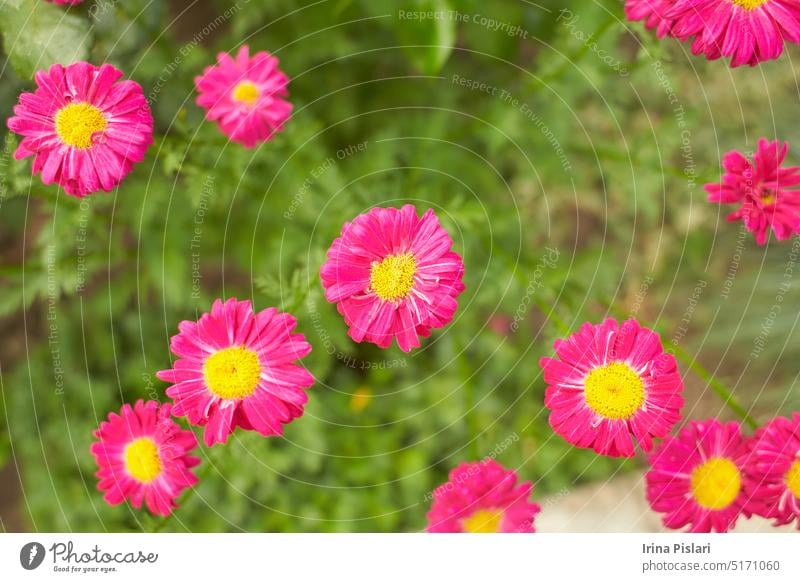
(765, 191)
(772, 471)
(482, 497)
(84, 129)
(695, 478)
(747, 31)
(612, 385)
(393, 276)
(143, 456)
(245, 96)
(71, 2)
(653, 12)
(237, 368)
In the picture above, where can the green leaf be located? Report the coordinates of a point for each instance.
(37, 35)
(428, 29)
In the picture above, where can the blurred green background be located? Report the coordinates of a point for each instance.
(565, 150)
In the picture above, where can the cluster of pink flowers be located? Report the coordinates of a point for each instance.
(612, 386)
(86, 129)
(746, 31)
(392, 274)
(708, 475)
(394, 278)
(235, 368)
(703, 479)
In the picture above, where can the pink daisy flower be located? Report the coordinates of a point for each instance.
(393, 275)
(236, 368)
(653, 12)
(695, 477)
(84, 128)
(245, 96)
(747, 31)
(482, 497)
(143, 456)
(612, 384)
(71, 2)
(766, 192)
(772, 471)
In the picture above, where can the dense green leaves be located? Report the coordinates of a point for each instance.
(524, 141)
(38, 34)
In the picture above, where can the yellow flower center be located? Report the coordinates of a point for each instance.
(77, 123)
(768, 197)
(232, 372)
(246, 93)
(614, 391)
(716, 483)
(483, 521)
(142, 460)
(393, 278)
(793, 479)
(749, 4)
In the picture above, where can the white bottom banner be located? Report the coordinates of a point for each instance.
(379, 557)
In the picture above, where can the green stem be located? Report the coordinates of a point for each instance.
(298, 302)
(473, 423)
(728, 399)
(722, 391)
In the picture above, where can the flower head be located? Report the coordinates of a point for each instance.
(747, 31)
(237, 368)
(83, 127)
(612, 384)
(393, 275)
(72, 2)
(482, 497)
(695, 477)
(143, 456)
(244, 96)
(653, 12)
(772, 471)
(765, 191)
